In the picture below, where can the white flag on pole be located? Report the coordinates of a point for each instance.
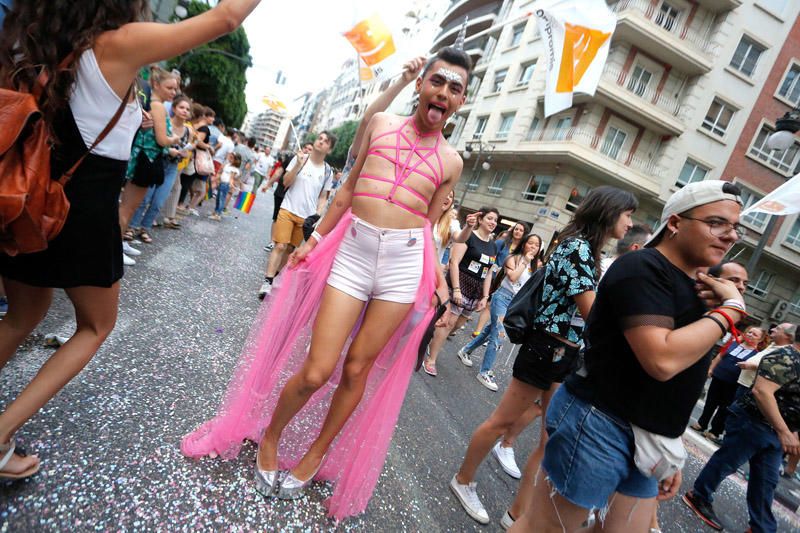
(577, 35)
(785, 200)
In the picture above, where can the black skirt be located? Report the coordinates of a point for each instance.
(88, 251)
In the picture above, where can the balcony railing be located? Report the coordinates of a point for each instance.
(589, 139)
(674, 24)
(648, 93)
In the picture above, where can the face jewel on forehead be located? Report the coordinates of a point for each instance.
(450, 75)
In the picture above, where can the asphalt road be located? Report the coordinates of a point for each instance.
(109, 440)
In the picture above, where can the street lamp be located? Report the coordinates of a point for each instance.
(481, 148)
(781, 139)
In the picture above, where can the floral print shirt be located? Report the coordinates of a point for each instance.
(569, 271)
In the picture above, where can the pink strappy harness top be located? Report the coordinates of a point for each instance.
(403, 165)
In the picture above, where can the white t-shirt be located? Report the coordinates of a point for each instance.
(264, 163)
(226, 147)
(455, 229)
(748, 377)
(302, 196)
(515, 286)
(228, 173)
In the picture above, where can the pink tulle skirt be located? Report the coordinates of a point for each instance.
(275, 350)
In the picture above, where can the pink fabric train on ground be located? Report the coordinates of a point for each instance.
(276, 349)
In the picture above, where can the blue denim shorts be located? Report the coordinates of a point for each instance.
(589, 456)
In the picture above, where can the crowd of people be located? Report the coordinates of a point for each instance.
(370, 271)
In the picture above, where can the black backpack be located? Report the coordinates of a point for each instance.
(524, 307)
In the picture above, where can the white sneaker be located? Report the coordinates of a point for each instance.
(194, 212)
(266, 288)
(127, 249)
(506, 522)
(127, 261)
(463, 354)
(505, 456)
(468, 497)
(487, 381)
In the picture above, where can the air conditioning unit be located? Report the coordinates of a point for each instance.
(780, 310)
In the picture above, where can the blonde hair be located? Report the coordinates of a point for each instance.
(443, 227)
(159, 76)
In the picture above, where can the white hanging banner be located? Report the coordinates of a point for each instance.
(577, 36)
(785, 200)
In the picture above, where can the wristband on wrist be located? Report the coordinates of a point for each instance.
(316, 236)
(732, 308)
(718, 322)
(734, 303)
(457, 289)
(728, 319)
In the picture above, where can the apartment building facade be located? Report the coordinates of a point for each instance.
(674, 105)
(268, 127)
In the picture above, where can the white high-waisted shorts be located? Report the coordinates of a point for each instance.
(378, 263)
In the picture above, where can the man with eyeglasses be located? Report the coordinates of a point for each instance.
(762, 425)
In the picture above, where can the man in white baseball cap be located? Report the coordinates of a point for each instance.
(691, 196)
(645, 364)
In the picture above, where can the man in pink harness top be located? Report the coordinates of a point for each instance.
(333, 348)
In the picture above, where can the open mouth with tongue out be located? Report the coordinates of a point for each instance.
(436, 112)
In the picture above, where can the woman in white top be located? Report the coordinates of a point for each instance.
(106, 46)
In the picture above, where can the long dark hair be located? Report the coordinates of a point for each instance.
(37, 36)
(510, 239)
(596, 217)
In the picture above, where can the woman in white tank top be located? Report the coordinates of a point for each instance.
(109, 47)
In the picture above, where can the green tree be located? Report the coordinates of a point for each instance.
(214, 79)
(344, 138)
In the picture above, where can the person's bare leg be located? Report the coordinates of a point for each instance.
(440, 336)
(510, 436)
(517, 398)
(27, 306)
(549, 512)
(285, 258)
(276, 259)
(132, 196)
(524, 495)
(381, 320)
(338, 313)
(483, 318)
(654, 519)
(627, 514)
(96, 314)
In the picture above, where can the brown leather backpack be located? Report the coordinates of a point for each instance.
(33, 207)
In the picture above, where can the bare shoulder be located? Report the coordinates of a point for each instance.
(452, 161)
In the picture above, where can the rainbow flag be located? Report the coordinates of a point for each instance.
(245, 202)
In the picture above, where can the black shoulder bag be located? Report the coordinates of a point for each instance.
(524, 307)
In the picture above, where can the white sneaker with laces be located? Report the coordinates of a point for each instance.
(506, 522)
(127, 261)
(487, 381)
(127, 249)
(468, 497)
(266, 288)
(463, 354)
(505, 456)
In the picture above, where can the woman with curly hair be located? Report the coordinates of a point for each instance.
(91, 52)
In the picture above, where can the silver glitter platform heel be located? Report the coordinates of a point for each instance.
(266, 480)
(291, 488)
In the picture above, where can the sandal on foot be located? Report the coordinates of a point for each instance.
(144, 237)
(7, 451)
(429, 368)
(172, 224)
(129, 235)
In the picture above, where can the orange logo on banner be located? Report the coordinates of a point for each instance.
(372, 40)
(581, 45)
(772, 206)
